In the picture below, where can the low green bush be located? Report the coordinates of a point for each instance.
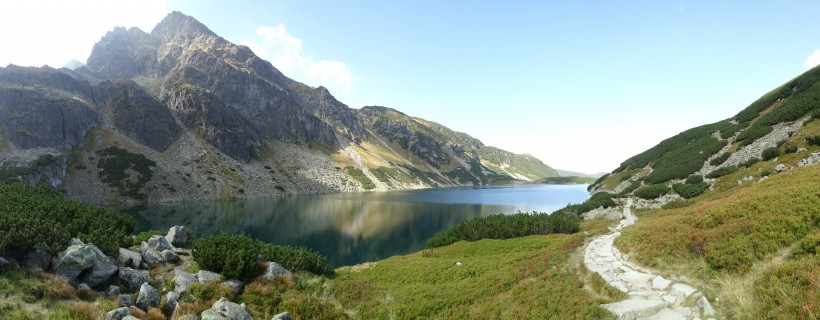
(234, 256)
(632, 187)
(502, 226)
(721, 159)
(359, 176)
(769, 153)
(651, 191)
(815, 140)
(722, 172)
(790, 149)
(296, 258)
(689, 191)
(694, 179)
(749, 163)
(756, 131)
(145, 235)
(31, 215)
(600, 199)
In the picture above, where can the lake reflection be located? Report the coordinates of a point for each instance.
(350, 228)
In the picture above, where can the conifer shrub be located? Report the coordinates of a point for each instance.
(31, 215)
(721, 159)
(722, 172)
(502, 226)
(815, 140)
(756, 131)
(694, 179)
(769, 153)
(749, 163)
(235, 256)
(689, 191)
(651, 191)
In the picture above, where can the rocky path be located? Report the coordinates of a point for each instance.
(650, 296)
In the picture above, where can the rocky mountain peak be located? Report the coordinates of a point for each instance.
(177, 24)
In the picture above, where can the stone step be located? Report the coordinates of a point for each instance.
(635, 308)
(666, 314)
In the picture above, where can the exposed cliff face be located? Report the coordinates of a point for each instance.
(199, 117)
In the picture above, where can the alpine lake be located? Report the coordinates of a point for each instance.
(352, 228)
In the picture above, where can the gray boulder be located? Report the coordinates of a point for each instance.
(118, 314)
(205, 276)
(148, 297)
(178, 236)
(72, 261)
(128, 258)
(112, 291)
(133, 278)
(275, 270)
(236, 285)
(125, 300)
(282, 316)
(168, 255)
(226, 310)
(159, 243)
(170, 302)
(85, 259)
(40, 258)
(182, 281)
(151, 256)
(103, 267)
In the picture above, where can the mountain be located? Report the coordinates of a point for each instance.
(565, 173)
(733, 205)
(783, 121)
(181, 113)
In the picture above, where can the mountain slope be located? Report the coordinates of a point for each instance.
(734, 205)
(181, 113)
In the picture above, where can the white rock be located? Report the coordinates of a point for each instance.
(659, 283)
(666, 314)
(681, 291)
(634, 308)
(706, 307)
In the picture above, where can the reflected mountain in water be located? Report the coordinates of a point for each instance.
(351, 228)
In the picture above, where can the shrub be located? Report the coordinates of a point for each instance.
(756, 131)
(720, 159)
(31, 215)
(815, 140)
(651, 191)
(721, 172)
(234, 256)
(145, 235)
(790, 149)
(689, 191)
(684, 161)
(769, 153)
(631, 187)
(115, 164)
(749, 163)
(502, 226)
(694, 179)
(808, 245)
(297, 258)
(359, 176)
(600, 199)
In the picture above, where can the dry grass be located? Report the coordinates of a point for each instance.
(56, 288)
(154, 314)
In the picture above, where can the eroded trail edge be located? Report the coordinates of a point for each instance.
(650, 296)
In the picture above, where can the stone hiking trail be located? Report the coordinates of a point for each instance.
(649, 296)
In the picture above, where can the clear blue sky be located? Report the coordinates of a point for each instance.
(582, 85)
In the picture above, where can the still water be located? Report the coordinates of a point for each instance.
(351, 228)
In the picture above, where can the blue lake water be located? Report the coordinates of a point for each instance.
(351, 228)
